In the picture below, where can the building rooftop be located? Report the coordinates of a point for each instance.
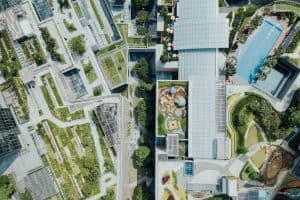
(172, 145)
(42, 9)
(41, 184)
(198, 35)
(201, 22)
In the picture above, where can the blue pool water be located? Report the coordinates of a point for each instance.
(252, 56)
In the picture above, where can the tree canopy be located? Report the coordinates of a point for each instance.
(141, 3)
(142, 70)
(77, 44)
(7, 188)
(141, 154)
(140, 113)
(140, 193)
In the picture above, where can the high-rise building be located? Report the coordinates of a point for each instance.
(9, 141)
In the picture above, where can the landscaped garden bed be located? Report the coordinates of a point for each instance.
(114, 67)
(61, 113)
(83, 167)
(89, 72)
(33, 51)
(172, 108)
(9, 62)
(248, 173)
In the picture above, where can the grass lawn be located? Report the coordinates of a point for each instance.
(253, 136)
(77, 10)
(54, 89)
(288, 7)
(248, 173)
(259, 157)
(89, 72)
(110, 71)
(120, 62)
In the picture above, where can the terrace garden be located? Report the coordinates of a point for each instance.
(172, 108)
(77, 44)
(252, 107)
(33, 51)
(54, 101)
(51, 45)
(14, 93)
(114, 67)
(73, 158)
(9, 62)
(89, 71)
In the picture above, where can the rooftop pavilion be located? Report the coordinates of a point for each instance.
(198, 34)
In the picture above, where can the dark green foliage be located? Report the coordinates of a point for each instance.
(110, 194)
(63, 4)
(141, 29)
(38, 58)
(294, 43)
(292, 16)
(164, 57)
(26, 196)
(142, 70)
(142, 17)
(140, 193)
(141, 154)
(77, 44)
(97, 91)
(7, 188)
(51, 45)
(140, 3)
(140, 113)
(164, 11)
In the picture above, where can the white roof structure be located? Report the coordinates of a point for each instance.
(172, 145)
(197, 36)
(230, 187)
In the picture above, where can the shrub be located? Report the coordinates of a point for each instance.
(77, 44)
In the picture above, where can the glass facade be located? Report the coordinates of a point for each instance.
(9, 141)
(42, 9)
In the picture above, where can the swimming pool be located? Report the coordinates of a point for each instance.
(258, 46)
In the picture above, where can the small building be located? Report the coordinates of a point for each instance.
(41, 184)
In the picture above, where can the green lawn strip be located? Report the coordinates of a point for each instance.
(282, 6)
(110, 193)
(108, 164)
(162, 84)
(19, 89)
(111, 71)
(77, 10)
(162, 131)
(89, 72)
(9, 63)
(248, 173)
(61, 113)
(94, 6)
(121, 64)
(55, 91)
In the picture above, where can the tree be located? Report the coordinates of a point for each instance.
(139, 193)
(38, 58)
(141, 154)
(164, 58)
(142, 70)
(164, 11)
(230, 69)
(77, 44)
(140, 3)
(294, 118)
(140, 113)
(7, 188)
(142, 17)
